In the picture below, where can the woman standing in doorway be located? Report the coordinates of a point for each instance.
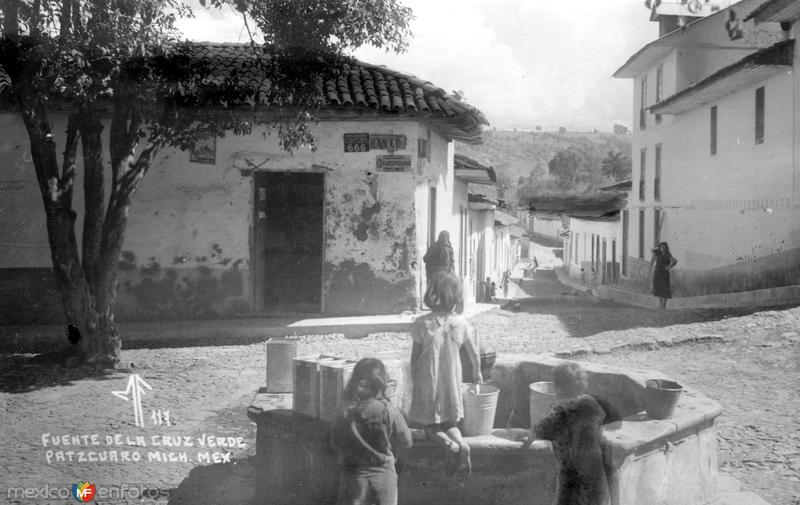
(662, 263)
(439, 257)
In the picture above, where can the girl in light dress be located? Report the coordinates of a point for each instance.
(436, 369)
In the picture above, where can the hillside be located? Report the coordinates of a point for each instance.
(521, 158)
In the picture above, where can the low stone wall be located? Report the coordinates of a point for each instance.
(664, 462)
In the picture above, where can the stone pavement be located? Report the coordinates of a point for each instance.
(155, 334)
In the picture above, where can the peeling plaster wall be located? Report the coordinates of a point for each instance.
(187, 250)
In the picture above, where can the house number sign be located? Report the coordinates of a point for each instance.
(363, 142)
(356, 142)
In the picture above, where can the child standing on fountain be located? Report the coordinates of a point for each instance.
(436, 369)
(575, 427)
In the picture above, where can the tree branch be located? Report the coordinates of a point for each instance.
(65, 19)
(94, 194)
(67, 179)
(11, 17)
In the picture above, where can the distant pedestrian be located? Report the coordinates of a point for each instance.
(491, 290)
(439, 257)
(662, 262)
(506, 279)
(436, 370)
(365, 435)
(575, 427)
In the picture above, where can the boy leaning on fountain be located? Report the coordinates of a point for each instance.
(575, 427)
(364, 435)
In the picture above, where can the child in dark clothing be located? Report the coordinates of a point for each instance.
(364, 435)
(575, 427)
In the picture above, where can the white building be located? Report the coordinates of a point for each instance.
(240, 226)
(715, 150)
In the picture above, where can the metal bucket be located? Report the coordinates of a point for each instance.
(480, 405)
(542, 398)
(660, 398)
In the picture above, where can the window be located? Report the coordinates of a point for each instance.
(642, 172)
(625, 224)
(641, 233)
(657, 179)
(643, 105)
(656, 227)
(659, 88)
(713, 130)
(760, 115)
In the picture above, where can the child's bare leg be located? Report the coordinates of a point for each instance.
(465, 461)
(436, 434)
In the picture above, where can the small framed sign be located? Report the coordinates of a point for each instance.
(204, 150)
(393, 163)
(356, 142)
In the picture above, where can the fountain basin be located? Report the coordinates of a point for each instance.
(649, 461)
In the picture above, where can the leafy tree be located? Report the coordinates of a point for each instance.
(117, 65)
(561, 129)
(538, 128)
(616, 166)
(568, 167)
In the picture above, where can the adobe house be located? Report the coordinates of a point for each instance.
(237, 225)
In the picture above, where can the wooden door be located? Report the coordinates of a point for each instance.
(289, 241)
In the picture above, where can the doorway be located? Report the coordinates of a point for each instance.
(288, 241)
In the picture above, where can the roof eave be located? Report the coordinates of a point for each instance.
(750, 70)
(776, 11)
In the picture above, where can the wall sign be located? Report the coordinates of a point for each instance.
(204, 150)
(378, 142)
(356, 142)
(393, 163)
(363, 142)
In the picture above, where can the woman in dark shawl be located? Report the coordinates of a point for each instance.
(662, 262)
(439, 257)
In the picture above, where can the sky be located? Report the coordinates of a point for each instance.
(523, 63)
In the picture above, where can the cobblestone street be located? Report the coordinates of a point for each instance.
(746, 361)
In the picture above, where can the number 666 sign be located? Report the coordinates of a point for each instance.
(356, 142)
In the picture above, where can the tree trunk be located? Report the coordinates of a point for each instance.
(99, 342)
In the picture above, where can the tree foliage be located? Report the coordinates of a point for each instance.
(616, 165)
(570, 167)
(119, 65)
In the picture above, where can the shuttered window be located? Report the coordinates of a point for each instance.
(714, 130)
(643, 105)
(760, 115)
(642, 172)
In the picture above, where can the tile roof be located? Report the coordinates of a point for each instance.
(471, 171)
(360, 87)
(597, 205)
